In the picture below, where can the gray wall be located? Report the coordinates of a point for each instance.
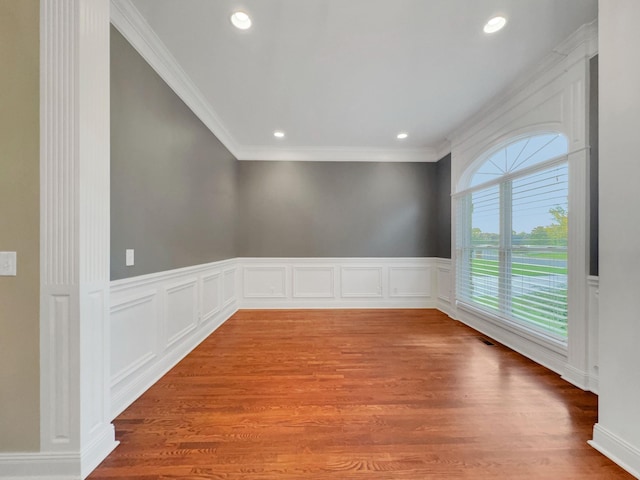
(179, 198)
(173, 193)
(329, 209)
(443, 207)
(593, 166)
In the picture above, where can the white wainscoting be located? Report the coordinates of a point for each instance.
(157, 319)
(443, 285)
(340, 282)
(593, 309)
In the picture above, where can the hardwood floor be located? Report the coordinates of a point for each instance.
(356, 394)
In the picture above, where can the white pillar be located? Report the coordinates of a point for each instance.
(76, 432)
(617, 433)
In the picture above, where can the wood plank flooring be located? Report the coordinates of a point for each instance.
(356, 394)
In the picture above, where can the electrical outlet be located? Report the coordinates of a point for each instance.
(8, 263)
(129, 260)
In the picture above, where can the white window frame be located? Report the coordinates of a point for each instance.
(553, 97)
(504, 183)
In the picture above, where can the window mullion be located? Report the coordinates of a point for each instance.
(505, 252)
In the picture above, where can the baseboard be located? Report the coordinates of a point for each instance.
(46, 466)
(576, 377)
(58, 465)
(617, 449)
(581, 379)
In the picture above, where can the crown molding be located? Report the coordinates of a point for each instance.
(133, 26)
(580, 44)
(338, 154)
(443, 149)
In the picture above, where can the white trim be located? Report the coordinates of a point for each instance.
(373, 288)
(593, 349)
(582, 43)
(140, 346)
(547, 355)
(443, 286)
(616, 449)
(552, 97)
(337, 154)
(49, 466)
(75, 433)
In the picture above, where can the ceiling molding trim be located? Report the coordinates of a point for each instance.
(584, 37)
(443, 148)
(126, 18)
(338, 154)
(582, 43)
(133, 26)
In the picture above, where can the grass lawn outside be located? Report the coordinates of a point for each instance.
(481, 266)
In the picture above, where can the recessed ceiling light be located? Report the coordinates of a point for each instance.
(241, 20)
(402, 135)
(494, 24)
(278, 134)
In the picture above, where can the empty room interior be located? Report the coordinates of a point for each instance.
(280, 239)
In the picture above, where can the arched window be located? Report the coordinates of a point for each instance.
(512, 234)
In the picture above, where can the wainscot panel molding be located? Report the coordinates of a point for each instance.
(443, 285)
(157, 319)
(593, 308)
(340, 282)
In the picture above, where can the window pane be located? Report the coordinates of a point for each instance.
(512, 236)
(479, 279)
(539, 250)
(519, 155)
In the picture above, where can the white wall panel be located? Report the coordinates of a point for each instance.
(228, 287)
(133, 326)
(264, 282)
(361, 281)
(313, 281)
(211, 290)
(177, 309)
(444, 283)
(410, 281)
(181, 310)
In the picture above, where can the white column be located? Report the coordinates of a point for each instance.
(74, 179)
(617, 433)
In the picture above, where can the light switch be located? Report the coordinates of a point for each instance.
(129, 257)
(8, 263)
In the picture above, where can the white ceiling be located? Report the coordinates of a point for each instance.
(343, 77)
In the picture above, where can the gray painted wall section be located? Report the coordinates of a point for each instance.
(593, 166)
(179, 198)
(443, 207)
(173, 192)
(337, 209)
